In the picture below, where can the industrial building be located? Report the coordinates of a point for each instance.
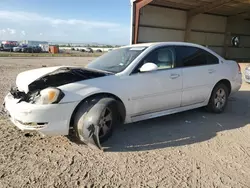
(33, 43)
(221, 25)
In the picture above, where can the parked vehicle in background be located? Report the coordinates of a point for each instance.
(7, 47)
(1, 47)
(19, 48)
(36, 49)
(99, 50)
(73, 49)
(247, 74)
(89, 50)
(27, 49)
(82, 50)
(129, 84)
(44, 48)
(31, 49)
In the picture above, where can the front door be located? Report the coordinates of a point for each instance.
(157, 90)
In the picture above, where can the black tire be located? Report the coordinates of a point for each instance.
(216, 105)
(94, 109)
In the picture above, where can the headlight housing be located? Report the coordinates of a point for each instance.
(48, 96)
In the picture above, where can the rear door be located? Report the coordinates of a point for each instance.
(199, 72)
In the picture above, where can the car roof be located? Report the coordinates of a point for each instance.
(159, 44)
(164, 43)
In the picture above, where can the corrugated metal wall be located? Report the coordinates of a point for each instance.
(163, 17)
(159, 34)
(209, 30)
(157, 24)
(166, 24)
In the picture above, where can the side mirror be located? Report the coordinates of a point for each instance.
(148, 67)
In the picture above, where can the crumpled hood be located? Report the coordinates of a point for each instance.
(38, 79)
(27, 77)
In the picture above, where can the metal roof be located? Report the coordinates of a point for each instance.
(239, 8)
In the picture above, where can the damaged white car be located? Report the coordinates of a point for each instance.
(129, 84)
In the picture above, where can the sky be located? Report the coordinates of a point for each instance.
(76, 21)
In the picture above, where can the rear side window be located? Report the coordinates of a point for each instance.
(191, 56)
(211, 59)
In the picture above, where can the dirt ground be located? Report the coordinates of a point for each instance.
(190, 149)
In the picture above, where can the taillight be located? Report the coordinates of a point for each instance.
(239, 67)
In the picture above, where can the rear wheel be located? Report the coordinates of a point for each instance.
(218, 99)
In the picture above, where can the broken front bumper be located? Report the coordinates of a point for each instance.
(49, 119)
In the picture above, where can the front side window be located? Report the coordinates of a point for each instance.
(116, 60)
(188, 56)
(163, 57)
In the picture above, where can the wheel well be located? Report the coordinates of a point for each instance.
(226, 83)
(122, 110)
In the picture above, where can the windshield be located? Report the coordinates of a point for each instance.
(116, 60)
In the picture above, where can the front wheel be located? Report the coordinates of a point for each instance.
(95, 120)
(218, 99)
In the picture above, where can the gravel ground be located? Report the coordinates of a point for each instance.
(190, 149)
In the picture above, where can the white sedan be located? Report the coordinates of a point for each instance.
(128, 84)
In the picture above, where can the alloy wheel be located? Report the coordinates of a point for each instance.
(220, 98)
(105, 123)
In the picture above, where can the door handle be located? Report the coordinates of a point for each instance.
(174, 76)
(210, 71)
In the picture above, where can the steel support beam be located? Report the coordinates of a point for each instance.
(227, 40)
(188, 28)
(208, 7)
(244, 15)
(138, 5)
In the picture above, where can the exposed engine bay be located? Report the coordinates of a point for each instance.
(62, 76)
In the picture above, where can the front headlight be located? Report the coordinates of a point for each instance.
(49, 96)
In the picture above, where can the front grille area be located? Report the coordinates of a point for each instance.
(19, 94)
(16, 93)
